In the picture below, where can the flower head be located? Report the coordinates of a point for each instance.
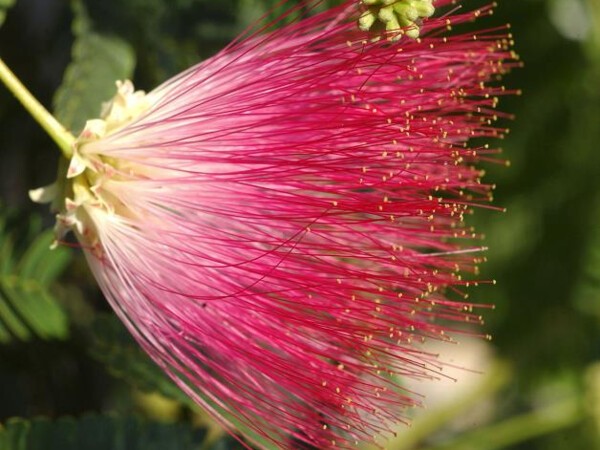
(281, 225)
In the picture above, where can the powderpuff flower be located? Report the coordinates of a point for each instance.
(281, 226)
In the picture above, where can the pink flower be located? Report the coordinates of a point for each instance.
(281, 226)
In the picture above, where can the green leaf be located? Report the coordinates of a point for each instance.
(89, 80)
(41, 262)
(98, 433)
(6, 249)
(35, 306)
(27, 306)
(4, 6)
(113, 345)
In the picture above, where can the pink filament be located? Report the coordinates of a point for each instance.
(303, 229)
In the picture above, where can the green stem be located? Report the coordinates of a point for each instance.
(520, 428)
(57, 132)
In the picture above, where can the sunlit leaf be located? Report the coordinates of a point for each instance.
(89, 80)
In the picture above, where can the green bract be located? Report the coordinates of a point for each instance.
(395, 15)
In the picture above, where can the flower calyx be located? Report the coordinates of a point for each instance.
(78, 189)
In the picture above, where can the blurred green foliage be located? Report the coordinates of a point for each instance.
(28, 306)
(4, 5)
(98, 433)
(61, 355)
(97, 61)
(113, 345)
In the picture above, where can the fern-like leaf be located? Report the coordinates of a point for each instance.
(27, 306)
(96, 432)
